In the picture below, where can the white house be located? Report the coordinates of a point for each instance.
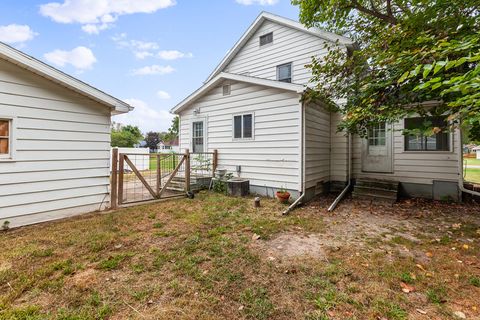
(168, 146)
(54, 142)
(250, 109)
(477, 150)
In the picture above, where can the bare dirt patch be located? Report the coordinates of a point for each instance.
(292, 245)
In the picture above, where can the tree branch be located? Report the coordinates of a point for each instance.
(387, 18)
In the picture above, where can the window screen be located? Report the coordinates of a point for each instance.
(5, 137)
(417, 139)
(284, 72)
(243, 126)
(266, 38)
(237, 127)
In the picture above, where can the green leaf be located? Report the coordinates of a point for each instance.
(438, 66)
(403, 77)
(450, 65)
(436, 86)
(426, 70)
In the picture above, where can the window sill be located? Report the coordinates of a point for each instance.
(7, 160)
(243, 139)
(428, 152)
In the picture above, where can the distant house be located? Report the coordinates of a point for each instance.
(477, 150)
(251, 110)
(168, 146)
(54, 142)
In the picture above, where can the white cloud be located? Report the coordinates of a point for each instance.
(145, 117)
(163, 95)
(173, 55)
(15, 33)
(259, 2)
(141, 49)
(97, 15)
(81, 58)
(153, 69)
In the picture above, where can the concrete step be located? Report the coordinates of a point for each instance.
(373, 197)
(359, 190)
(378, 184)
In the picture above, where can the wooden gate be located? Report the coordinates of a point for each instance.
(146, 177)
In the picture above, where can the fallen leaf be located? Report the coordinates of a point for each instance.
(421, 311)
(429, 254)
(255, 236)
(406, 288)
(460, 315)
(466, 247)
(419, 266)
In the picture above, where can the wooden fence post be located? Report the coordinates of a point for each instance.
(114, 179)
(121, 170)
(215, 162)
(159, 175)
(187, 170)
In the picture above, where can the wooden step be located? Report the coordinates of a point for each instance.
(376, 190)
(378, 184)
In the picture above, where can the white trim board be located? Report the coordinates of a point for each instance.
(36, 66)
(264, 16)
(235, 77)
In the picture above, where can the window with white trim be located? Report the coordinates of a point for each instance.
(426, 134)
(5, 138)
(284, 72)
(243, 126)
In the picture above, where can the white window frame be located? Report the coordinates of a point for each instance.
(199, 118)
(253, 126)
(291, 71)
(11, 139)
(450, 141)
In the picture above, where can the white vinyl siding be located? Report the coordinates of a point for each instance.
(62, 150)
(408, 166)
(272, 159)
(289, 46)
(317, 145)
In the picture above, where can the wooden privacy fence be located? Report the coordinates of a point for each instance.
(146, 177)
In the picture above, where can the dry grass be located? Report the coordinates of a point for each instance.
(197, 259)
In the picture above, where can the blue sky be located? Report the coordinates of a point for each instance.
(151, 53)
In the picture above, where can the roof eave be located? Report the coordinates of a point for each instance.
(235, 77)
(42, 69)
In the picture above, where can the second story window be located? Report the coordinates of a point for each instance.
(284, 72)
(266, 39)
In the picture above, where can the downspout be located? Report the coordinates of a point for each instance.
(460, 166)
(302, 164)
(349, 176)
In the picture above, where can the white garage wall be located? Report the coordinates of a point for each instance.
(61, 164)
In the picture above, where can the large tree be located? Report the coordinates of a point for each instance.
(125, 136)
(408, 52)
(173, 131)
(152, 139)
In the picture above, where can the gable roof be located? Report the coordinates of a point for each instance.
(266, 16)
(36, 66)
(298, 88)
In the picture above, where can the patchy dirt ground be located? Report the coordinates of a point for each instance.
(219, 258)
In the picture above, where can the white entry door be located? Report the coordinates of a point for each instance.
(198, 137)
(377, 149)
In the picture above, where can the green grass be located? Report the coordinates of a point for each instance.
(472, 175)
(167, 162)
(197, 259)
(472, 161)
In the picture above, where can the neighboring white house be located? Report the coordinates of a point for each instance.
(54, 142)
(250, 109)
(477, 150)
(168, 146)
